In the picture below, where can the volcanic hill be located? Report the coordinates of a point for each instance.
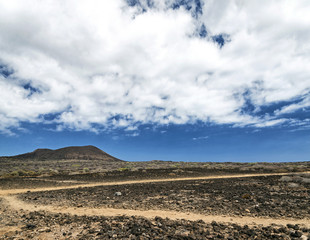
(77, 153)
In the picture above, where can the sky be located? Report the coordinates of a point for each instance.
(180, 80)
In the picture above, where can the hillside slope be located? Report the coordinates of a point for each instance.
(80, 153)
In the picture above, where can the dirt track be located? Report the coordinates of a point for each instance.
(16, 204)
(18, 191)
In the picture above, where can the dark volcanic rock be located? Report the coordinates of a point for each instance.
(123, 227)
(217, 196)
(255, 196)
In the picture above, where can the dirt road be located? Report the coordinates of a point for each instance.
(15, 204)
(18, 191)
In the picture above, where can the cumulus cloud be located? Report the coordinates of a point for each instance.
(92, 65)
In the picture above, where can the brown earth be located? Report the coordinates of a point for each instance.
(245, 196)
(154, 209)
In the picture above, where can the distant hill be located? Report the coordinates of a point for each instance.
(79, 153)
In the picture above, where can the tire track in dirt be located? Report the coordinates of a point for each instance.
(18, 191)
(16, 204)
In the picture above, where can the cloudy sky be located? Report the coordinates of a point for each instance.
(182, 80)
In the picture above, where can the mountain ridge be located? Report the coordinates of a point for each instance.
(88, 152)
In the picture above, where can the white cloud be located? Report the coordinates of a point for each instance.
(131, 128)
(200, 138)
(305, 103)
(271, 123)
(98, 64)
(134, 134)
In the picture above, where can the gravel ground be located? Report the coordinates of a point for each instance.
(255, 196)
(22, 183)
(42, 225)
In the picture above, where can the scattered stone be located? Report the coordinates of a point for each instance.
(30, 226)
(217, 197)
(123, 227)
(222, 197)
(296, 234)
(44, 230)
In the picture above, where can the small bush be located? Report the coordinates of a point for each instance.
(286, 179)
(207, 165)
(53, 171)
(14, 174)
(306, 180)
(246, 196)
(32, 173)
(22, 173)
(123, 169)
(293, 185)
(76, 165)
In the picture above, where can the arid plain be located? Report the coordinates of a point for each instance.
(84, 193)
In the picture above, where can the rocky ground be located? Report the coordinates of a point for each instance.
(92, 169)
(43, 225)
(139, 171)
(122, 174)
(31, 182)
(271, 196)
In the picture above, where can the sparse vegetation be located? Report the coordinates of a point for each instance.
(9, 168)
(272, 196)
(123, 169)
(286, 179)
(76, 165)
(86, 170)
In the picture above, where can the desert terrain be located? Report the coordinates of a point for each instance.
(84, 193)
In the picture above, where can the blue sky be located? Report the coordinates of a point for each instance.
(186, 80)
(194, 142)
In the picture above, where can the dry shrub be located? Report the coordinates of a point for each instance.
(246, 196)
(293, 185)
(306, 180)
(286, 179)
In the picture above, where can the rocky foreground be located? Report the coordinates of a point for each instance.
(270, 197)
(43, 225)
